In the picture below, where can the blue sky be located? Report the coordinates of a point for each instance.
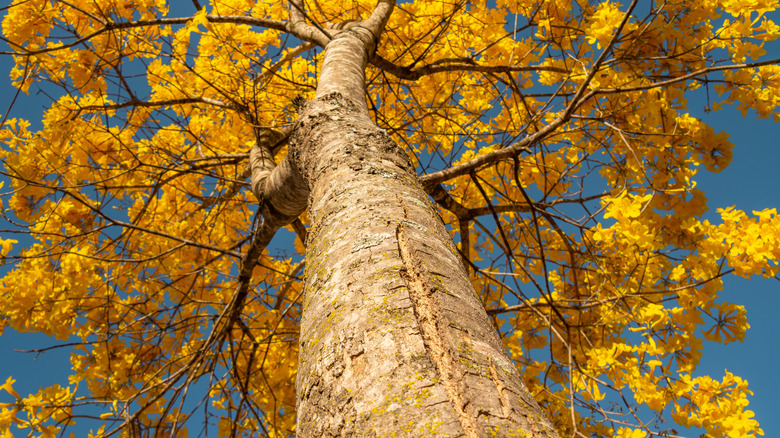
(751, 182)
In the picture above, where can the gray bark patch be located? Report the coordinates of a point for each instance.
(371, 170)
(369, 241)
(414, 225)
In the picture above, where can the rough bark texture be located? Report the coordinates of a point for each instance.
(394, 340)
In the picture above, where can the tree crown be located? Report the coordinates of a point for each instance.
(556, 137)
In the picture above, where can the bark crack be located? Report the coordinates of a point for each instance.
(433, 329)
(506, 407)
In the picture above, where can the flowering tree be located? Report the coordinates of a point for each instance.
(550, 139)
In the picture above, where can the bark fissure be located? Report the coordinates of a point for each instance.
(433, 330)
(506, 406)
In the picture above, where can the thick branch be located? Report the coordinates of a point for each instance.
(281, 190)
(157, 104)
(377, 21)
(308, 32)
(409, 74)
(261, 158)
(235, 19)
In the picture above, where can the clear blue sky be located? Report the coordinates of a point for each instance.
(752, 182)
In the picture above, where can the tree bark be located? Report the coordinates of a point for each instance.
(394, 340)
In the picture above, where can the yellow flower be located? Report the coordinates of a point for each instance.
(625, 432)
(7, 386)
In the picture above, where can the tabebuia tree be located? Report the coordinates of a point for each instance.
(493, 207)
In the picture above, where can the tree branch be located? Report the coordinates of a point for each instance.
(466, 64)
(683, 78)
(235, 19)
(524, 145)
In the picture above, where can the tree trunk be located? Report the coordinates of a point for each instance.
(394, 339)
